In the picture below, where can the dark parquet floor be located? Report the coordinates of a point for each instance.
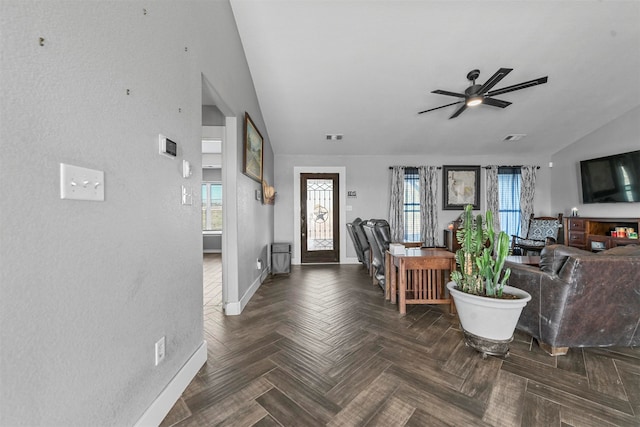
(321, 347)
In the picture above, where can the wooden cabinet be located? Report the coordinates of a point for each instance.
(575, 232)
(450, 240)
(594, 234)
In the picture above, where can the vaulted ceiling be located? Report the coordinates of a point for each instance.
(365, 69)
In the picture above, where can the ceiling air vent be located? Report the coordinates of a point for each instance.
(514, 137)
(334, 136)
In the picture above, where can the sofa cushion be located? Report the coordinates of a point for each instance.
(628, 250)
(553, 257)
(540, 229)
(529, 242)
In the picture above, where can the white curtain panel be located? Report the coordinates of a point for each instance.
(527, 192)
(493, 196)
(396, 208)
(428, 176)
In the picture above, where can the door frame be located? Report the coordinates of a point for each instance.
(230, 281)
(327, 255)
(342, 194)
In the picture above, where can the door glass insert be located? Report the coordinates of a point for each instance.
(320, 215)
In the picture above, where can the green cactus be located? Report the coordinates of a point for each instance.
(481, 266)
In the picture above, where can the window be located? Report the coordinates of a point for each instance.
(509, 189)
(211, 206)
(411, 205)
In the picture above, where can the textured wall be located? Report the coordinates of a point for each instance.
(619, 136)
(87, 288)
(370, 177)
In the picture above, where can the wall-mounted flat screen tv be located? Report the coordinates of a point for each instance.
(611, 179)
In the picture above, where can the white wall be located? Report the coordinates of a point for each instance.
(619, 136)
(370, 177)
(87, 288)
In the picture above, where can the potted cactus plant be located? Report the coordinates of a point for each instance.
(488, 308)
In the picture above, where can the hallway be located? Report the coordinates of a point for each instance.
(212, 280)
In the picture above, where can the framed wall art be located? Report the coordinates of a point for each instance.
(461, 187)
(253, 150)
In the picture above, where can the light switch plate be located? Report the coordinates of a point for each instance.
(78, 183)
(187, 195)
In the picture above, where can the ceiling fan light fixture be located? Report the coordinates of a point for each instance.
(474, 100)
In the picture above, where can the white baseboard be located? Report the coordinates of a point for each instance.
(160, 407)
(235, 308)
(295, 261)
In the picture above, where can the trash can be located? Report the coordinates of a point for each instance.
(280, 258)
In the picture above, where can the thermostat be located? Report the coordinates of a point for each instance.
(167, 146)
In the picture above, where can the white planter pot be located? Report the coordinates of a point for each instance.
(490, 318)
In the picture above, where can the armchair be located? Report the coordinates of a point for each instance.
(360, 242)
(543, 231)
(378, 234)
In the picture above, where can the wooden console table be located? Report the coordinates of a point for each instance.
(419, 277)
(582, 232)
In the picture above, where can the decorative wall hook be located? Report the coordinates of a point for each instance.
(41, 41)
(268, 193)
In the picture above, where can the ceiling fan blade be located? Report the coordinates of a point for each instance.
(494, 80)
(541, 80)
(458, 111)
(496, 102)
(446, 92)
(437, 108)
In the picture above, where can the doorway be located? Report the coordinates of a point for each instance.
(319, 217)
(228, 178)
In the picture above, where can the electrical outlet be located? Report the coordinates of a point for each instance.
(259, 264)
(160, 350)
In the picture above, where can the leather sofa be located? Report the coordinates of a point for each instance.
(580, 298)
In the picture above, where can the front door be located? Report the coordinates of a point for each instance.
(319, 217)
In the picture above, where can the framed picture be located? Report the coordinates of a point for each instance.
(253, 153)
(461, 187)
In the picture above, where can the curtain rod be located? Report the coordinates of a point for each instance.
(412, 167)
(509, 166)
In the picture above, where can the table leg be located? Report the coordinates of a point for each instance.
(394, 282)
(402, 289)
(387, 275)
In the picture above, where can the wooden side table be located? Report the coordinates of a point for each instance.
(419, 277)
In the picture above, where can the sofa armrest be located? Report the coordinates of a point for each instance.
(553, 257)
(529, 279)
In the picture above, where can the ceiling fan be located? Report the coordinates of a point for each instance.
(481, 94)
